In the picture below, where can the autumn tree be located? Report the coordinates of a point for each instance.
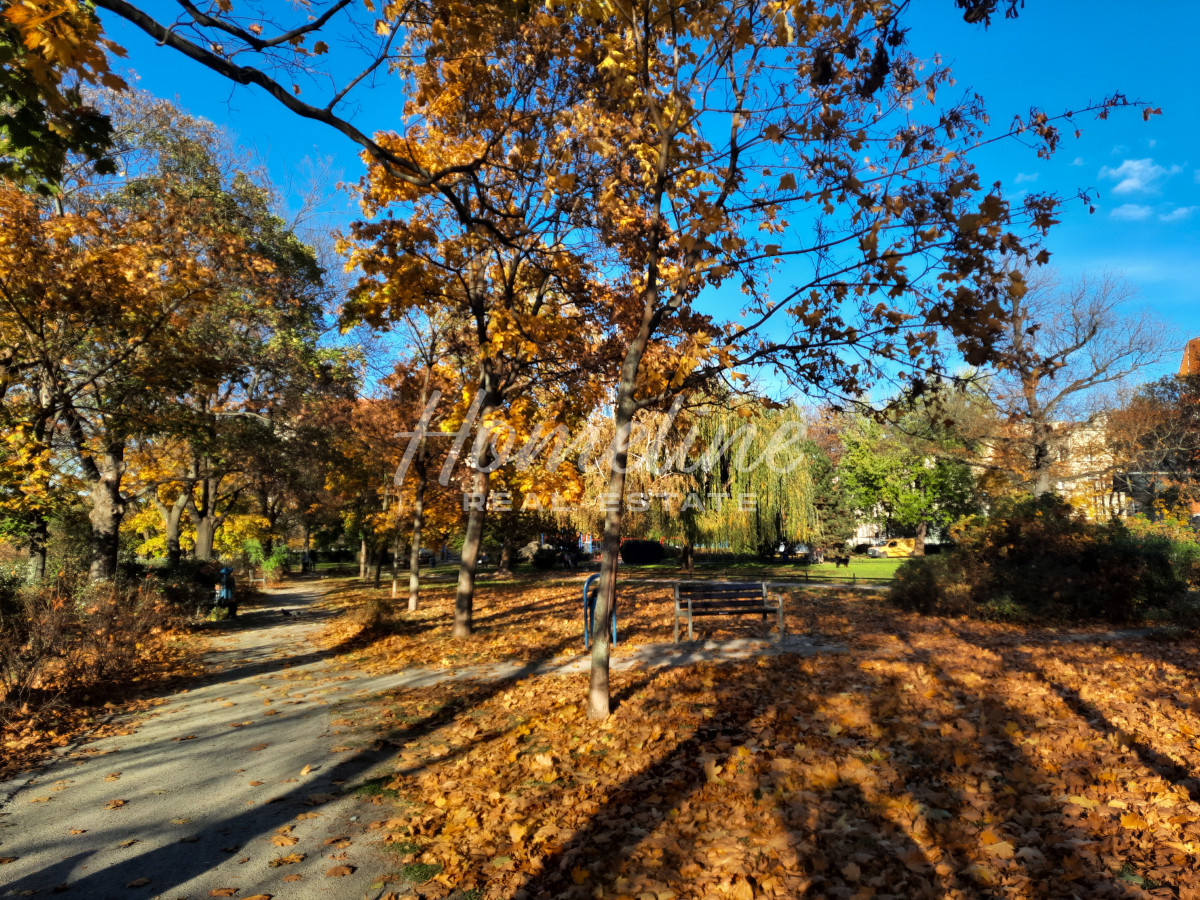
(500, 257)
(1065, 349)
(803, 155)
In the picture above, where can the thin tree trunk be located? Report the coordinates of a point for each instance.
(599, 696)
(38, 538)
(506, 556)
(414, 553)
(380, 553)
(598, 687)
(465, 596)
(362, 558)
(919, 543)
(689, 555)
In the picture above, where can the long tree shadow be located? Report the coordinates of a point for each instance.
(172, 865)
(1164, 766)
(897, 802)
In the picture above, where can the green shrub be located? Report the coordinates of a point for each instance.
(641, 553)
(1040, 558)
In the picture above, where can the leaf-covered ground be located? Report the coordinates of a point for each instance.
(59, 714)
(933, 758)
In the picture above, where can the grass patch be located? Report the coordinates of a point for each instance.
(376, 787)
(419, 872)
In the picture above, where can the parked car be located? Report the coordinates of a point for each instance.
(894, 548)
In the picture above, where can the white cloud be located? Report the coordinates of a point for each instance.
(1138, 176)
(1023, 178)
(1078, 161)
(1132, 212)
(1179, 213)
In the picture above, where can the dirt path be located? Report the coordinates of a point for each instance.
(191, 796)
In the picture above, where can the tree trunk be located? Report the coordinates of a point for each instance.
(598, 689)
(598, 702)
(919, 543)
(108, 508)
(380, 553)
(206, 532)
(172, 517)
(414, 554)
(205, 516)
(506, 556)
(38, 538)
(1043, 458)
(465, 597)
(689, 555)
(363, 557)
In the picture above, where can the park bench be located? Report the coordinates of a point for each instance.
(726, 598)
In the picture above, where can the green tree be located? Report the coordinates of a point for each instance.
(892, 479)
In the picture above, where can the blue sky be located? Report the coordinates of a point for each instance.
(1059, 54)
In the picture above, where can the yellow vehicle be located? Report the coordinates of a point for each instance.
(894, 548)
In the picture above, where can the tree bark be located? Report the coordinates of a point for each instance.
(506, 556)
(465, 596)
(689, 556)
(363, 558)
(172, 517)
(205, 515)
(38, 538)
(919, 541)
(380, 553)
(420, 467)
(598, 687)
(108, 509)
(1043, 458)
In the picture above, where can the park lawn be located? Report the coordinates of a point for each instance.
(934, 758)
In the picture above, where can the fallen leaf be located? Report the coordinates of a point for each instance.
(259, 897)
(306, 770)
(5, 860)
(130, 842)
(138, 882)
(112, 776)
(293, 878)
(190, 737)
(222, 892)
(77, 831)
(180, 821)
(39, 799)
(852, 871)
(336, 840)
(115, 804)
(284, 840)
(286, 860)
(1133, 822)
(255, 783)
(258, 747)
(340, 872)
(1000, 850)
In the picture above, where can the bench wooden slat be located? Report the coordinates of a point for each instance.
(725, 598)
